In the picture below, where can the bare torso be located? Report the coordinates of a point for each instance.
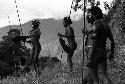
(70, 32)
(35, 40)
(35, 36)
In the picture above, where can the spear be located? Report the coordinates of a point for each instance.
(9, 22)
(18, 16)
(75, 9)
(83, 41)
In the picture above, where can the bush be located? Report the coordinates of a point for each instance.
(10, 52)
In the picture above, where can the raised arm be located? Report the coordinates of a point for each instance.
(66, 36)
(69, 33)
(87, 31)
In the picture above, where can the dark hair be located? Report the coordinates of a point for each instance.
(35, 21)
(96, 11)
(67, 20)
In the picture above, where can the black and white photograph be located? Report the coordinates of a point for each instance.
(62, 42)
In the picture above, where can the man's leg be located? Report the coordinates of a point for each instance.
(93, 70)
(64, 46)
(69, 52)
(69, 61)
(95, 75)
(32, 57)
(88, 77)
(93, 65)
(104, 69)
(36, 61)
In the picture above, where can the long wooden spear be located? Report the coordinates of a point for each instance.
(75, 8)
(83, 41)
(19, 17)
(9, 22)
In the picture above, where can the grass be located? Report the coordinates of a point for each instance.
(58, 73)
(55, 74)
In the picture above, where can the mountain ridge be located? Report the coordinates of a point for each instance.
(48, 27)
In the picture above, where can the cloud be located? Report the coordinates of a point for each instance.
(30, 9)
(41, 8)
(5, 9)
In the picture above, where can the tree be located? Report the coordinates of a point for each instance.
(106, 5)
(80, 6)
(10, 49)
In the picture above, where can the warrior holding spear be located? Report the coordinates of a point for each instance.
(97, 53)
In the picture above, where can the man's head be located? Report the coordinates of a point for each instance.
(94, 13)
(67, 21)
(35, 23)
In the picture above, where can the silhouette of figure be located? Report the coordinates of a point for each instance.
(98, 53)
(34, 34)
(70, 46)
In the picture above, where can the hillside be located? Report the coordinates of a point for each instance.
(48, 27)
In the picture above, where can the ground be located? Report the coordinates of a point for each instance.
(58, 73)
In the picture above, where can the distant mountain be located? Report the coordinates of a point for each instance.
(49, 40)
(49, 28)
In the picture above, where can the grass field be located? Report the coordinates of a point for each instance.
(58, 73)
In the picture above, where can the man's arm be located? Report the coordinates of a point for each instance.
(87, 31)
(69, 33)
(35, 33)
(32, 35)
(110, 36)
(66, 36)
(20, 38)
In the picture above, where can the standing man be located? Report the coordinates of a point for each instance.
(71, 44)
(97, 53)
(34, 34)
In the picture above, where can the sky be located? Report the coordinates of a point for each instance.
(43, 9)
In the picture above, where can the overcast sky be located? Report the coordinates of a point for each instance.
(31, 9)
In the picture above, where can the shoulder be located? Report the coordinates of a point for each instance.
(31, 31)
(37, 30)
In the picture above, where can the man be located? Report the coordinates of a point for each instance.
(97, 53)
(71, 45)
(34, 34)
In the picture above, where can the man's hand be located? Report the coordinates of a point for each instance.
(59, 34)
(84, 31)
